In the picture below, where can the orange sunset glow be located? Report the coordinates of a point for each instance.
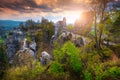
(51, 9)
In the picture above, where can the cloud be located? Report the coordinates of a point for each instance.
(42, 5)
(34, 9)
(23, 5)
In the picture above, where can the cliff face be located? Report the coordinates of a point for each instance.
(27, 53)
(24, 57)
(12, 44)
(17, 48)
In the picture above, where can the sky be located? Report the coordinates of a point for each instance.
(54, 10)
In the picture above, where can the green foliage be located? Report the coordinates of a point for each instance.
(92, 61)
(37, 70)
(76, 64)
(116, 49)
(30, 24)
(116, 22)
(114, 29)
(48, 27)
(73, 57)
(94, 65)
(3, 55)
(113, 73)
(98, 72)
(70, 49)
(28, 37)
(87, 75)
(70, 27)
(94, 68)
(24, 72)
(3, 60)
(1, 40)
(39, 36)
(107, 52)
(69, 55)
(88, 48)
(56, 69)
(3, 33)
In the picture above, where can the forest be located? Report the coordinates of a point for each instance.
(89, 49)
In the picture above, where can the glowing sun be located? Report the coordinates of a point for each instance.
(73, 16)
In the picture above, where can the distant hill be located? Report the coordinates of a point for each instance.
(9, 24)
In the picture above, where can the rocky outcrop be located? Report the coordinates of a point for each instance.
(65, 37)
(79, 42)
(32, 46)
(12, 44)
(27, 54)
(45, 58)
(17, 48)
(59, 26)
(11, 50)
(24, 57)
